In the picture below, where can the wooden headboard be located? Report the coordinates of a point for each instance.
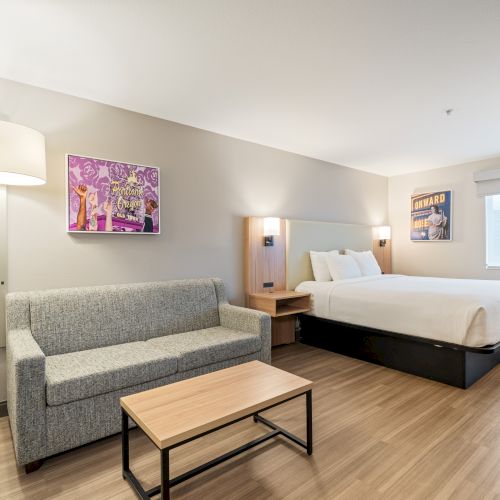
(303, 236)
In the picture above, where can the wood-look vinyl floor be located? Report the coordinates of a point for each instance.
(378, 434)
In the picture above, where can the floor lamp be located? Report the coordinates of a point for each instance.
(22, 163)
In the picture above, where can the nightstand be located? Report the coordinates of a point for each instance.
(282, 306)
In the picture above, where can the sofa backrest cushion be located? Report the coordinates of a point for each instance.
(77, 319)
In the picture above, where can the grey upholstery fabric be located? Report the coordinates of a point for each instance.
(57, 351)
(87, 420)
(80, 375)
(26, 395)
(220, 290)
(18, 311)
(203, 347)
(78, 319)
(251, 321)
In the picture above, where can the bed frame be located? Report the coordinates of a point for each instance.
(451, 364)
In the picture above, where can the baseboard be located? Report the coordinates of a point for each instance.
(3, 409)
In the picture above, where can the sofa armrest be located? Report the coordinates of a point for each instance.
(250, 321)
(26, 395)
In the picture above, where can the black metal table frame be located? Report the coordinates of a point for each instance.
(167, 483)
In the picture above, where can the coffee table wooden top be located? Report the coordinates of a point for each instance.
(173, 413)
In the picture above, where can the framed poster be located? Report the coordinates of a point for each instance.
(431, 216)
(105, 196)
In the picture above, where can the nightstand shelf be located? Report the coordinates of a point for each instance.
(282, 306)
(285, 310)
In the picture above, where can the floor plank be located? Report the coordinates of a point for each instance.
(378, 434)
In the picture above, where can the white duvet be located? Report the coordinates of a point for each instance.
(460, 311)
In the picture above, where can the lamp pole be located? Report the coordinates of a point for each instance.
(3, 261)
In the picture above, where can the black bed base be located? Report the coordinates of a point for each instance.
(444, 362)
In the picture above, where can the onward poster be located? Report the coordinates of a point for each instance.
(431, 216)
(112, 197)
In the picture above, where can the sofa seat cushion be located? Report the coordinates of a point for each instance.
(203, 347)
(84, 374)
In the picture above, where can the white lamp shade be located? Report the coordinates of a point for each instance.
(382, 233)
(22, 155)
(271, 226)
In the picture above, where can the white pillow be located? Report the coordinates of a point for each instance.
(319, 265)
(343, 267)
(366, 262)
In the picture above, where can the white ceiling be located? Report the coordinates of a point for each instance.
(363, 83)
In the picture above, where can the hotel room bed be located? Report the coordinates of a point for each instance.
(465, 312)
(443, 329)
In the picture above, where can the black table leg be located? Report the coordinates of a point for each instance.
(165, 474)
(125, 448)
(309, 422)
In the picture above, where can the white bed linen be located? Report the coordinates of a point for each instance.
(460, 311)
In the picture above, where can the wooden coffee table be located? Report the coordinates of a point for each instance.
(175, 414)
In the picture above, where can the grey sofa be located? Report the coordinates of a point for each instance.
(72, 353)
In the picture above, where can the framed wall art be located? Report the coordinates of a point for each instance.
(105, 196)
(431, 216)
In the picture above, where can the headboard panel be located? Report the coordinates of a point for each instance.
(303, 236)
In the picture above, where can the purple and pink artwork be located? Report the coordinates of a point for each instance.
(111, 196)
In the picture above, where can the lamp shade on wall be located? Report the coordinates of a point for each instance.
(22, 155)
(382, 233)
(271, 226)
(271, 229)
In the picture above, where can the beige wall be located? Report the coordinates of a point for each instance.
(209, 183)
(462, 257)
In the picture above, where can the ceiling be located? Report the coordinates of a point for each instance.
(362, 83)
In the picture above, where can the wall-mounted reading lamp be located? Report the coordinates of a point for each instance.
(382, 233)
(271, 229)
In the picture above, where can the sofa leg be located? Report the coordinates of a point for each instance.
(33, 466)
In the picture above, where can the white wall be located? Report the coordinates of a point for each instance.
(208, 184)
(462, 257)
